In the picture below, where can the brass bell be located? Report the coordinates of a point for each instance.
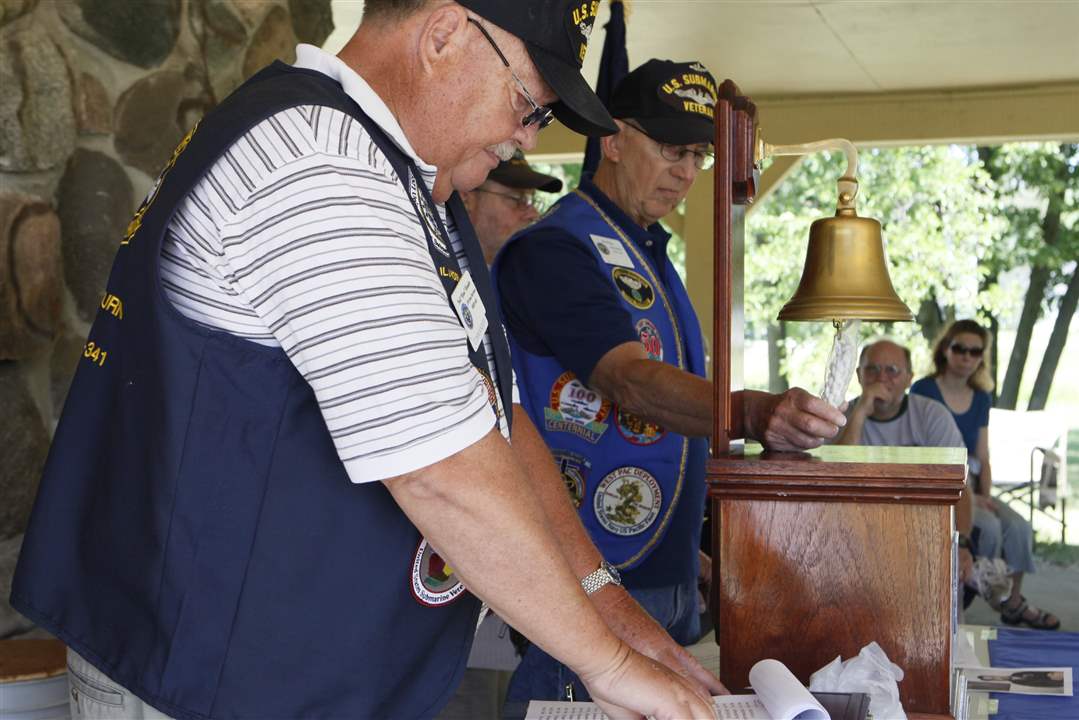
(846, 272)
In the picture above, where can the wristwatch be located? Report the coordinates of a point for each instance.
(605, 574)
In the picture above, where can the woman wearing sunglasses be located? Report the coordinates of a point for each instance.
(962, 381)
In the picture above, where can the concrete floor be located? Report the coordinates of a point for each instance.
(1054, 588)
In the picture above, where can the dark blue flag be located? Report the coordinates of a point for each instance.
(613, 66)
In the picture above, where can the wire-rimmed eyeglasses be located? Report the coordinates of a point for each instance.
(541, 115)
(702, 159)
(519, 201)
(889, 371)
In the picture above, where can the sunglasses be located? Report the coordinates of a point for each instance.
(541, 115)
(961, 349)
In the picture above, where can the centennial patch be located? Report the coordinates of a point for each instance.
(634, 288)
(638, 431)
(649, 335)
(574, 468)
(433, 581)
(627, 501)
(428, 215)
(576, 409)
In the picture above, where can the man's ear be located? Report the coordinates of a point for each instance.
(612, 144)
(444, 33)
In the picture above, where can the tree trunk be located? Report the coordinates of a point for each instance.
(777, 352)
(1032, 308)
(930, 318)
(1040, 394)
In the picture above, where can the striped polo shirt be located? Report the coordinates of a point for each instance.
(301, 237)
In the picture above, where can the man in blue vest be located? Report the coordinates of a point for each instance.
(285, 453)
(610, 360)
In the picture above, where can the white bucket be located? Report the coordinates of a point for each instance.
(33, 680)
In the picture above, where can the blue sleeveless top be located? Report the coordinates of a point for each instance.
(195, 534)
(972, 421)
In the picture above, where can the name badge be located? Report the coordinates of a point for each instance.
(612, 251)
(470, 310)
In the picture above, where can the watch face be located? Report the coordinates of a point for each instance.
(613, 572)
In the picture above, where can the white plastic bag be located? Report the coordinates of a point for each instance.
(870, 672)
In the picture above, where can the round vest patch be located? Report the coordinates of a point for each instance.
(634, 288)
(574, 468)
(649, 335)
(637, 430)
(576, 409)
(627, 501)
(433, 581)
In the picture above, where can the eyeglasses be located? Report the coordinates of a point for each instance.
(961, 349)
(702, 159)
(519, 201)
(541, 115)
(889, 371)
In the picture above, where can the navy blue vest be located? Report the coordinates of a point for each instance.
(195, 535)
(639, 488)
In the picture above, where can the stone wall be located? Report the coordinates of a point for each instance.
(94, 96)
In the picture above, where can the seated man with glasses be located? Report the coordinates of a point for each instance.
(610, 360)
(506, 202)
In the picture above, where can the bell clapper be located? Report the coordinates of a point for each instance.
(841, 361)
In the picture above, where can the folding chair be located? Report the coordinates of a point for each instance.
(1046, 486)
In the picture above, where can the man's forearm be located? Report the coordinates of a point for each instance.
(545, 482)
(476, 509)
(677, 400)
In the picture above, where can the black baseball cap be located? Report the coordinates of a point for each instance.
(555, 32)
(673, 102)
(517, 173)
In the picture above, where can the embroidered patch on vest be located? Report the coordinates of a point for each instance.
(634, 288)
(649, 335)
(574, 468)
(627, 501)
(637, 430)
(576, 409)
(433, 581)
(492, 395)
(428, 215)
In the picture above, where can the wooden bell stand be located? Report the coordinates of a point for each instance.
(818, 554)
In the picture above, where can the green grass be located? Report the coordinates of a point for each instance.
(1057, 553)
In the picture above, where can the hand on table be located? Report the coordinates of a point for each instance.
(633, 687)
(631, 624)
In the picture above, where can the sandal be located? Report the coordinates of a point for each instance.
(1018, 615)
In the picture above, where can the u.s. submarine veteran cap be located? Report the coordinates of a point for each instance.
(673, 102)
(555, 33)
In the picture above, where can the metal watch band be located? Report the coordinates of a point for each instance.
(605, 574)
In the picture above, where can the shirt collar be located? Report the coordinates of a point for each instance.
(654, 233)
(309, 57)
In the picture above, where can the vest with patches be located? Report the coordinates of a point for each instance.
(639, 488)
(196, 536)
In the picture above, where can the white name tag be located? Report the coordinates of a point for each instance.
(469, 306)
(612, 251)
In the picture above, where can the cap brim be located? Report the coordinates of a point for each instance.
(577, 108)
(680, 130)
(524, 178)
